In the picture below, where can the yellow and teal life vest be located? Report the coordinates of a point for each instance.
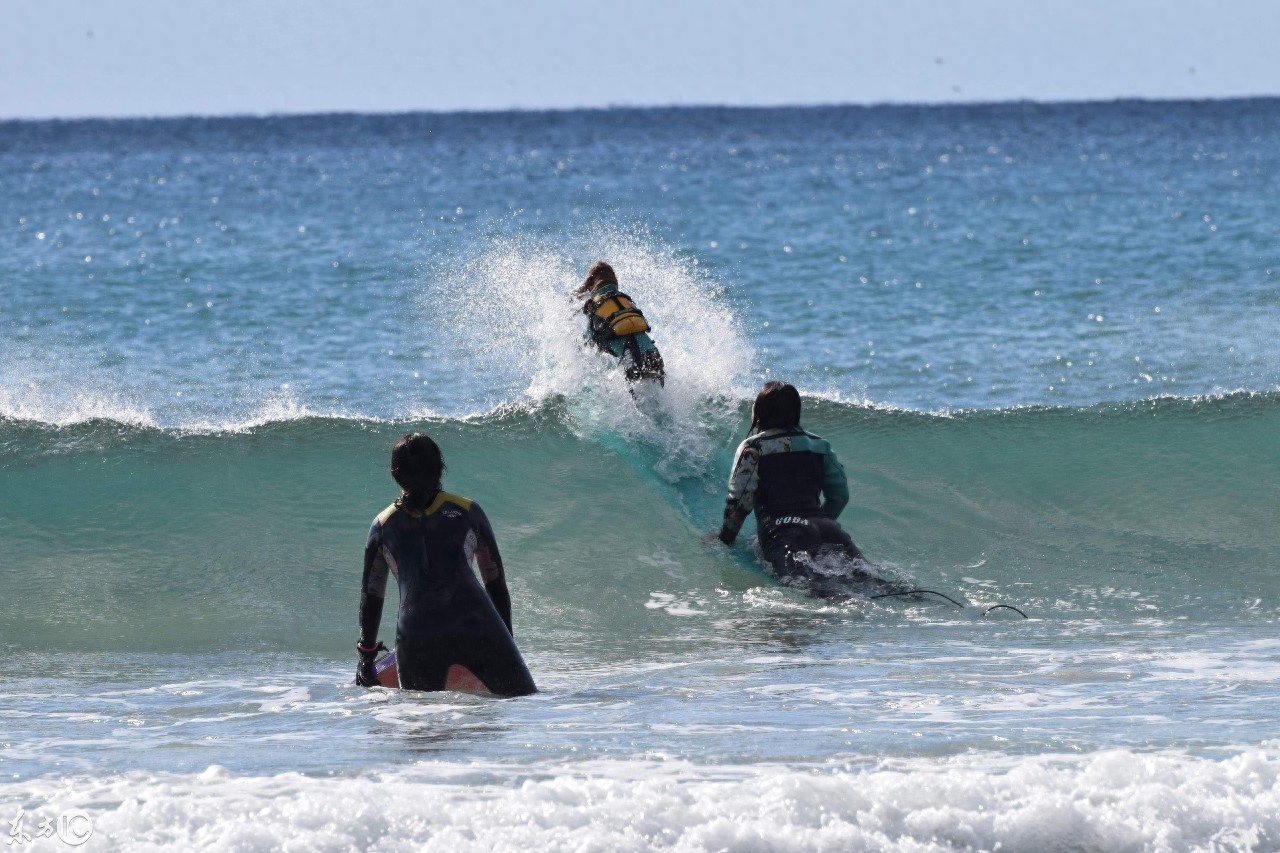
(613, 314)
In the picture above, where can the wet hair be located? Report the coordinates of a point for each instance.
(600, 273)
(416, 465)
(777, 406)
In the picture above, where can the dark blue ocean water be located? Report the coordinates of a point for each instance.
(974, 257)
(1043, 340)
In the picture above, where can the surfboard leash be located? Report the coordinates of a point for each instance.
(948, 598)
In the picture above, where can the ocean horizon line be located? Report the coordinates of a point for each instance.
(931, 106)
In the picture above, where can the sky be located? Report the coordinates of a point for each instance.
(86, 58)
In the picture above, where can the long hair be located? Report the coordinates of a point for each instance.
(416, 465)
(600, 273)
(777, 406)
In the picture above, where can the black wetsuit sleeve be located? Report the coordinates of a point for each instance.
(489, 561)
(373, 588)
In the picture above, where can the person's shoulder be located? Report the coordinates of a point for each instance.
(750, 447)
(816, 443)
(772, 440)
(794, 440)
(384, 516)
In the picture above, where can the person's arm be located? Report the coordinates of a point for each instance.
(598, 333)
(835, 485)
(588, 334)
(743, 483)
(489, 561)
(373, 591)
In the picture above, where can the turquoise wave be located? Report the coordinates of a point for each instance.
(120, 536)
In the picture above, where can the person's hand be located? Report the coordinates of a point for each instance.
(365, 676)
(711, 536)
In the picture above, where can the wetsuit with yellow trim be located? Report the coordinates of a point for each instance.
(781, 474)
(446, 617)
(617, 327)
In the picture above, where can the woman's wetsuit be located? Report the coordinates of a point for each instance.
(446, 617)
(781, 473)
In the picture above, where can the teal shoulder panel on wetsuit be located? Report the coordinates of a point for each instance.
(808, 442)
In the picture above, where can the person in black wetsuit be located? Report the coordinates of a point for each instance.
(781, 471)
(447, 620)
(617, 327)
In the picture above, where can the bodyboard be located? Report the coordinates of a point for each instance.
(458, 678)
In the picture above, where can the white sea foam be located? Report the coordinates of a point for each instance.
(62, 402)
(38, 399)
(277, 407)
(1116, 800)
